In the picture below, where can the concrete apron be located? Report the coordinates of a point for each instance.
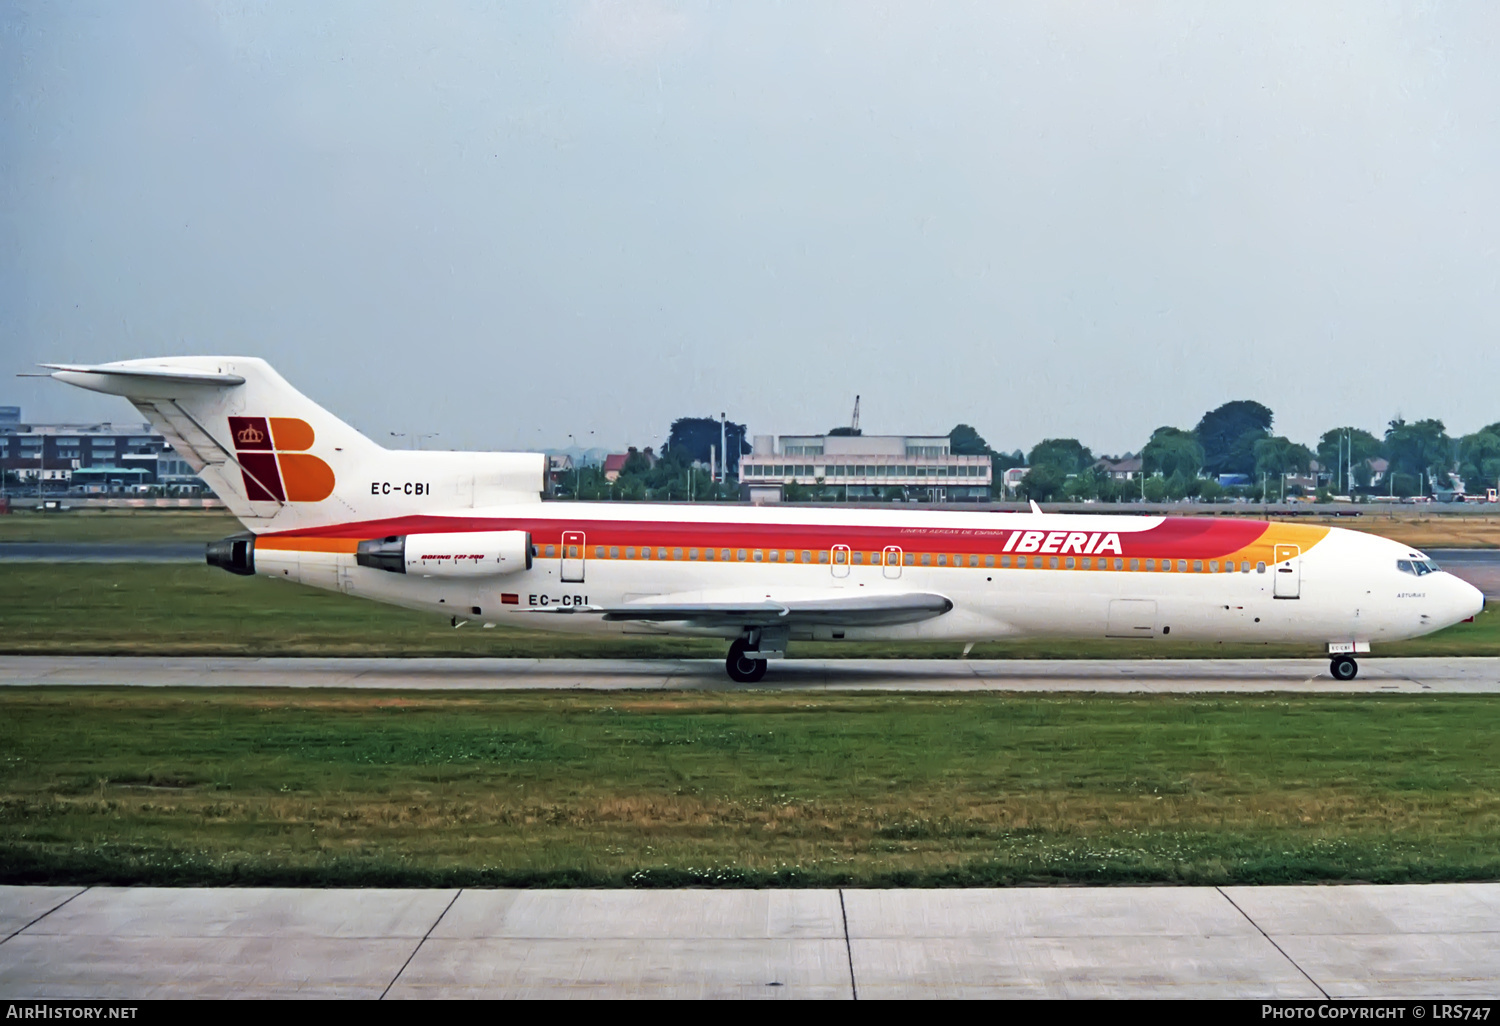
(1437, 941)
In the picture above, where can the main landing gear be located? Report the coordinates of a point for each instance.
(1343, 667)
(742, 665)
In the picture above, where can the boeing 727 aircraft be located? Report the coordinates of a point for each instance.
(467, 536)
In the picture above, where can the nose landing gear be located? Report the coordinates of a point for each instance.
(1343, 667)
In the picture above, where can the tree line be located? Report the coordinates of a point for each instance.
(1235, 442)
(1233, 439)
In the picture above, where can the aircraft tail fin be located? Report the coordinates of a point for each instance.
(280, 461)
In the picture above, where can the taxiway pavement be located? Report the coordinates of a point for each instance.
(1452, 675)
(1439, 941)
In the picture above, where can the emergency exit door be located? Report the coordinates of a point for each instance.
(1288, 571)
(572, 556)
(890, 560)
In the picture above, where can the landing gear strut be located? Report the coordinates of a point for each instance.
(1343, 667)
(742, 667)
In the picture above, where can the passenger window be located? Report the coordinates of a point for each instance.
(1197, 566)
(598, 551)
(859, 557)
(1070, 562)
(974, 561)
(1088, 564)
(760, 556)
(823, 556)
(1213, 566)
(791, 557)
(741, 555)
(708, 555)
(692, 554)
(1053, 561)
(630, 552)
(551, 550)
(1020, 562)
(909, 558)
(676, 553)
(806, 556)
(614, 552)
(1004, 561)
(1150, 564)
(1260, 568)
(1119, 564)
(1182, 566)
(724, 555)
(926, 559)
(1135, 564)
(942, 559)
(661, 553)
(775, 556)
(989, 561)
(1245, 567)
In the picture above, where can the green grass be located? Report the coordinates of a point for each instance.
(189, 609)
(752, 788)
(117, 525)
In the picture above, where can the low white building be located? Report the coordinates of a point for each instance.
(868, 467)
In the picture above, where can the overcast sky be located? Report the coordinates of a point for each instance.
(505, 223)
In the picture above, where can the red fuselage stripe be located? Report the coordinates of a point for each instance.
(1179, 538)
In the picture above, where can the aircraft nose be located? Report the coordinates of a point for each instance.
(1468, 599)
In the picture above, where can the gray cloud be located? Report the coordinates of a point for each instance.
(506, 224)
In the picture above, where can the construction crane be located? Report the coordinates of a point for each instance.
(853, 428)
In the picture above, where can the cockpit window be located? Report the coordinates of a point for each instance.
(1416, 567)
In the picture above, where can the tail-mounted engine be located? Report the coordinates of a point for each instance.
(235, 554)
(461, 554)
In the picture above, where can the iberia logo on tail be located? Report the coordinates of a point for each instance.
(271, 452)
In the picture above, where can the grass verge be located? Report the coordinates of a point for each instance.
(761, 788)
(118, 525)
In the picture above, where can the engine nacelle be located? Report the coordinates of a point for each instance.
(235, 554)
(460, 554)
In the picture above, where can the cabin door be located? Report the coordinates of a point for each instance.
(839, 557)
(1288, 569)
(891, 561)
(572, 557)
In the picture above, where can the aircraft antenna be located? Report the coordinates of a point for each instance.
(854, 420)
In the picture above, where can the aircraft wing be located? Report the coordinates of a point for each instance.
(825, 609)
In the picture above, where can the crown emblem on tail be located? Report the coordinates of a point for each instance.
(250, 435)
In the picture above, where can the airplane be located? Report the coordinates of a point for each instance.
(468, 536)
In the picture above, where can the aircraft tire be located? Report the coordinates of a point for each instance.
(742, 669)
(1343, 668)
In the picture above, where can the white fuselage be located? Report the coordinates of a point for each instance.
(1288, 583)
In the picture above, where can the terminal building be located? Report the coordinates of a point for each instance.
(91, 459)
(865, 467)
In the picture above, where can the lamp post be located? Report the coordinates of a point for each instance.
(577, 488)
